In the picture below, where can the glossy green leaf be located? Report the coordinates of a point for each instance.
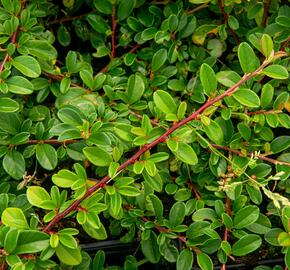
(204, 261)
(186, 153)
(46, 156)
(177, 214)
(266, 45)
(208, 79)
(248, 59)
(19, 85)
(164, 102)
(8, 105)
(247, 98)
(64, 178)
(37, 195)
(246, 245)
(150, 248)
(68, 256)
(246, 216)
(14, 218)
(135, 88)
(280, 144)
(97, 156)
(276, 72)
(184, 260)
(125, 8)
(27, 65)
(214, 132)
(159, 59)
(14, 164)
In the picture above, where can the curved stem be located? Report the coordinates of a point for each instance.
(147, 147)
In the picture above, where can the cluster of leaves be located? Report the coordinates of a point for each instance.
(182, 136)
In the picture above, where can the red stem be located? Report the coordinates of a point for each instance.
(70, 18)
(52, 141)
(147, 147)
(265, 13)
(271, 160)
(6, 57)
(265, 112)
(114, 26)
(226, 17)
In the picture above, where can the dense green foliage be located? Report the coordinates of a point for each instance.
(166, 121)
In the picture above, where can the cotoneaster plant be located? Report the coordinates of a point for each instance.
(162, 121)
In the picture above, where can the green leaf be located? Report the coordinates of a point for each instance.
(248, 59)
(214, 132)
(115, 204)
(14, 218)
(129, 191)
(37, 195)
(14, 164)
(228, 78)
(267, 95)
(68, 241)
(208, 79)
(125, 8)
(98, 23)
(266, 45)
(287, 257)
(46, 156)
(247, 98)
(199, 1)
(31, 241)
(19, 85)
(276, 72)
(64, 178)
(184, 260)
(150, 248)
(11, 238)
(8, 105)
(177, 214)
(186, 153)
(204, 261)
(159, 59)
(68, 256)
(246, 245)
(97, 156)
(280, 144)
(164, 102)
(27, 65)
(157, 205)
(135, 88)
(246, 216)
(41, 49)
(99, 234)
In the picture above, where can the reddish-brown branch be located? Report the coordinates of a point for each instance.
(6, 57)
(114, 27)
(59, 78)
(193, 189)
(226, 231)
(153, 122)
(147, 147)
(285, 45)
(198, 8)
(225, 19)
(240, 153)
(265, 13)
(51, 141)
(70, 18)
(265, 112)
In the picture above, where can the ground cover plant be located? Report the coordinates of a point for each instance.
(161, 122)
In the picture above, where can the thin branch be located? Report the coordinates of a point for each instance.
(198, 8)
(51, 141)
(226, 18)
(114, 27)
(6, 57)
(265, 112)
(285, 45)
(193, 189)
(153, 122)
(240, 153)
(265, 13)
(70, 18)
(157, 141)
